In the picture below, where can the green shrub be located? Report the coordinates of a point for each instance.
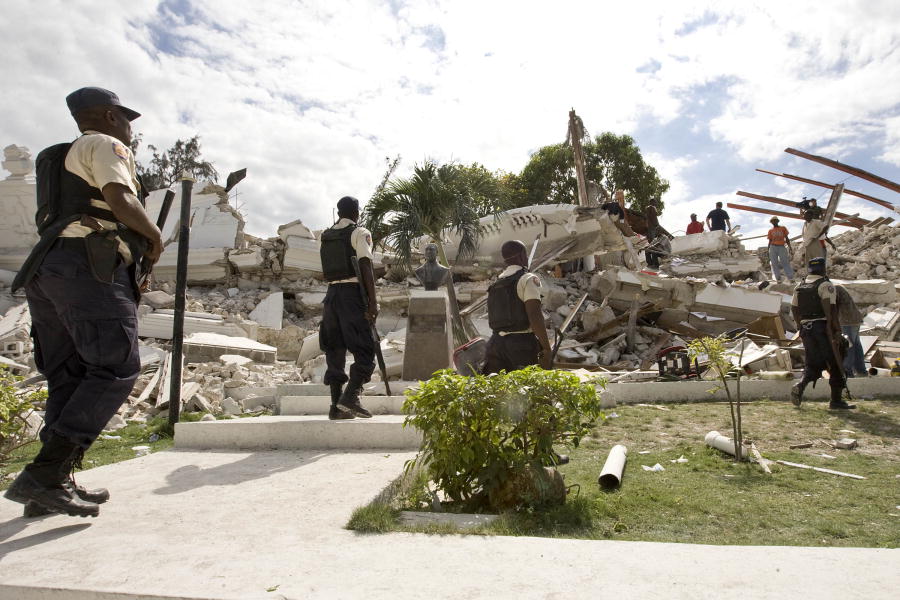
(479, 431)
(14, 411)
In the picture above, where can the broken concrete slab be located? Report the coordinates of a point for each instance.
(214, 224)
(159, 324)
(15, 333)
(206, 266)
(269, 312)
(708, 242)
(882, 322)
(203, 347)
(869, 291)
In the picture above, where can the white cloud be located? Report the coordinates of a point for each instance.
(312, 96)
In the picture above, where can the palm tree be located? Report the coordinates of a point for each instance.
(436, 199)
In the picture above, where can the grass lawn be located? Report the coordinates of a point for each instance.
(710, 499)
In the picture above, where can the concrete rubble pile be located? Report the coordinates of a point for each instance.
(709, 254)
(254, 305)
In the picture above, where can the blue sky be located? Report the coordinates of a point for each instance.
(312, 97)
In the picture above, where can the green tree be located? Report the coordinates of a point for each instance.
(165, 168)
(613, 161)
(435, 199)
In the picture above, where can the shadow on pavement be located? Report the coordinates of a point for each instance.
(255, 466)
(19, 524)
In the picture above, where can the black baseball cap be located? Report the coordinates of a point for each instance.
(88, 97)
(817, 262)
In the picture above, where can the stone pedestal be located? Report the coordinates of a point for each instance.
(429, 336)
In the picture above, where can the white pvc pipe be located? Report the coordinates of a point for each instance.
(611, 475)
(718, 441)
(876, 372)
(787, 375)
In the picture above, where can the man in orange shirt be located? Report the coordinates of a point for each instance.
(780, 251)
(694, 226)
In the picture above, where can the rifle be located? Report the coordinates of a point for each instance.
(838, 359)
(560, 333)
(375, 338)
(145, 267)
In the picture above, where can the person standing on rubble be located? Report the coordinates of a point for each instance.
(814, 231)
(346, 320)
(694, 226)
(814, 309)
(718, 219)
(780, 251)
(851, 318)
(80, 282)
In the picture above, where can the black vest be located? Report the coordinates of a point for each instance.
(506, 312)
(809, 303)
(62, 198)
(336, 253)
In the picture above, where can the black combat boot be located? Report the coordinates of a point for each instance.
(349, 401)
(334, 413)
(97, 495)
(838, 403)
(797, 392)
(45, 481)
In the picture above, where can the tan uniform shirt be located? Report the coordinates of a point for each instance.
(361, 240)
(527, 288)
(812, 245)
(100, 159)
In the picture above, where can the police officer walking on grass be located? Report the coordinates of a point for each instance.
(81, 284)
(346, 321)
(814, 308)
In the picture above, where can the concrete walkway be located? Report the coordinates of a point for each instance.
(230, 525)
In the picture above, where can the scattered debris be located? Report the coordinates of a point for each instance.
(819, 469)
(800, 446)
(845, 444)
(655, 468)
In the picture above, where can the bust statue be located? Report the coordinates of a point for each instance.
(432, 274)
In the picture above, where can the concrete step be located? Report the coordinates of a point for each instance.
(319, 405)
(297, 432)
(373, 388)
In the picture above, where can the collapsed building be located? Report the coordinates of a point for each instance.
(253, 305)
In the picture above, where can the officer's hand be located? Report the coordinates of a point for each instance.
(546, 359)
(372, 311)
(155, 248)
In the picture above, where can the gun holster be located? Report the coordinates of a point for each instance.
(103, 254)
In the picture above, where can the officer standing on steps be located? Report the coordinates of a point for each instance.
(514, 313)
(80, 282)
(346, 321)
(814, 308)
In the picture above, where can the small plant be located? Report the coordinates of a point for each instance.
(480, 431)
(15, 408)
(715, 352)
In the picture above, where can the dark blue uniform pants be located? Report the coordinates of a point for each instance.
(85, 342)
(510, 352)
(819, 354)
(345, 327)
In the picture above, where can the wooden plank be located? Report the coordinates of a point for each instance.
(782, 202)
(862, 174)
(779, 213)
(833, 201)
(872, 199)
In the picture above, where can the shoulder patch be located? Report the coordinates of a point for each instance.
(120, 150)
(368, 239)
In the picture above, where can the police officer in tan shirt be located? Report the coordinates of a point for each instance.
(80, 282)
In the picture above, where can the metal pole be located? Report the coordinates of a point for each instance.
(184, 234)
